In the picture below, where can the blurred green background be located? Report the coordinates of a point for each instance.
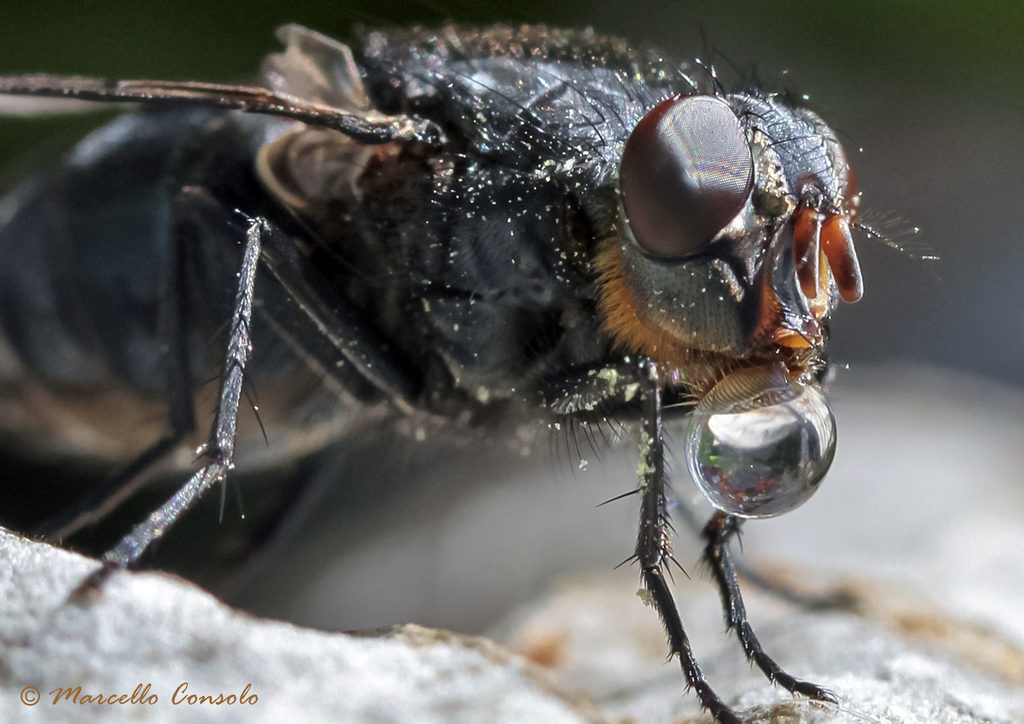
(928, 98)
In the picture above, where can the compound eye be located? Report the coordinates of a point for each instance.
(763, 445)
(686, 172)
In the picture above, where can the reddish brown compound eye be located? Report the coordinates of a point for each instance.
(686, 172)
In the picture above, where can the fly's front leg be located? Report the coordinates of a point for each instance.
(654, 545)
(717, 533)
(221, 447)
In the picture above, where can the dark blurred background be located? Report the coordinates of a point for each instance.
(928, 98)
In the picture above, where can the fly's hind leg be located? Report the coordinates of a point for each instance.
(717, 534)
(219, 451)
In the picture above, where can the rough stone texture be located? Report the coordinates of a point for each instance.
(894, 660)
(921, 523)
(153, 629)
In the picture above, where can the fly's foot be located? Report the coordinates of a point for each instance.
(810, 690)
(91, 589)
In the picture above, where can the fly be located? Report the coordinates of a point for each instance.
(471, 226)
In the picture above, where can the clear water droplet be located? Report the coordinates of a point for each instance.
(762, 462)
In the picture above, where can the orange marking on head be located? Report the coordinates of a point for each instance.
(701, 369)
(619, 318)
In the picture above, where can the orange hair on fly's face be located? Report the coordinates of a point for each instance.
(618, 313)
(701, 368)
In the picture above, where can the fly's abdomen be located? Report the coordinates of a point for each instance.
(86, 249)
(118, 281)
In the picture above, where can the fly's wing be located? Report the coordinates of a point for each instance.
(314, 81)
(318, 69)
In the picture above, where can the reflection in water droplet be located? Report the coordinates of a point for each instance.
(766, 461)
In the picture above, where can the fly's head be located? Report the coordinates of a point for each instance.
(733, 244)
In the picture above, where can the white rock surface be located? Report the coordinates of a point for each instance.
(156, 632)
(896, 660)
(921, 521)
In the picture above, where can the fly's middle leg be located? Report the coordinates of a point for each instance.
(717, 534)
